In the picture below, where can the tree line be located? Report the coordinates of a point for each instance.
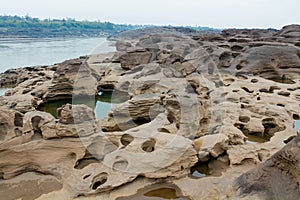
(33, 27)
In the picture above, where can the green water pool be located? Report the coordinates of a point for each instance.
(102, 103)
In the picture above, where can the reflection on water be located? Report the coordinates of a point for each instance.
(157, 192)
(297, 125)
(101, 104)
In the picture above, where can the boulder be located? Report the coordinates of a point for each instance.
(213, 145)
(265, 181)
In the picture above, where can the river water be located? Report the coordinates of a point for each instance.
(16, 53)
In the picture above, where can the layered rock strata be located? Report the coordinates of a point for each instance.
(226, 100)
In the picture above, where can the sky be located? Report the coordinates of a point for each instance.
(209, 13)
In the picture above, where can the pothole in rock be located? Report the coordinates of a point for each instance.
(157, 192)
(212, 167)
(253, 137)
(283, 79)
(102, 103)
(200, 170)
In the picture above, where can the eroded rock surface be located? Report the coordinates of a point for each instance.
(226, 100)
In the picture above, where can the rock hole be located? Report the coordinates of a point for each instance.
(235, 54)
(162, 193)
(264, 90)
(236, 48)
(82, 163)
(254, 80)
(200, 170)
(163, 130)
(282, 79)
(225, 59)
(86, 176)
(247, 90)
(289, 139)
(157, 192)
(104, 130)
(232, 40)
(280, 105)
(244, 119)
(35, 121)
(85, 161)
(171, 118)
(126, 139)
(141, 120)
(149, 145)
(99, 180)
(260, 157)
(296, 117)
(283, 93)
(252, 137)
(18, 120)
(239, 67)
(292, 89)
(271, 127)
(258, 98)
(120, 165)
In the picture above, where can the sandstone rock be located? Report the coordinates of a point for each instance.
(214, 145)
(134, 57)
(72, 78)
(265, 181)
(138, 110)
(236, 92)
(276, 63)
(71, 114)
(290, 31)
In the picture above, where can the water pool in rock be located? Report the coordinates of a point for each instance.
(102, 103)
(157, 192)
(253, 139)
(297, 125)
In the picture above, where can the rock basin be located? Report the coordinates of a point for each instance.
(102, 103)
(162, 191)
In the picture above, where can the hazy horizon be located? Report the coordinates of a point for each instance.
(205, 13)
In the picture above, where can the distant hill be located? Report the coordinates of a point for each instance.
(16, 26)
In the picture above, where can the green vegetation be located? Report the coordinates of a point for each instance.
(15, 26)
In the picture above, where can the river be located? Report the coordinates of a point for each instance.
(22, 52)
(16, 53)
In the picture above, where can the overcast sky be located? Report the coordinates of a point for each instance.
(212, 13)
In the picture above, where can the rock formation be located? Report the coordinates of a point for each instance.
(226, 101)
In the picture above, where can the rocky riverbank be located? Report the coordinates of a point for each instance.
(209, 116)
